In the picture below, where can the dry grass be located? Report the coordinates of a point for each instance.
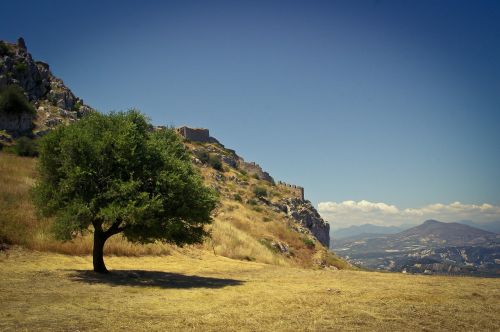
(20, 225)
(229, 241)
(17, 213)
(198, 291)
(237, 232)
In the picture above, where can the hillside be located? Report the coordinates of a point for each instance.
(432, 247)
(268, 214)
(53, 102)
(246, 226)
(257, 219)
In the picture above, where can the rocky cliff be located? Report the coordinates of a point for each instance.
(306, 215)
(53, 101)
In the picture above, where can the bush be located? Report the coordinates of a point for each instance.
(260, 192)
(215, 162)
(77, 106)
(4, 49)
(20, 67)
(202, 156)
(13, 101)
(252, 202)
(237, 197)
(26, 147)
(256, 176)
(308, 242)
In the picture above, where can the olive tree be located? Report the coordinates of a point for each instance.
(112, 174)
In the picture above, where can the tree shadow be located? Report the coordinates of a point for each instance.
(143, 278)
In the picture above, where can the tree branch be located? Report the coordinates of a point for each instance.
(115, 228)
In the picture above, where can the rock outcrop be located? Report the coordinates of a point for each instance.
(16, 123)
(53, 101)
(305, 214)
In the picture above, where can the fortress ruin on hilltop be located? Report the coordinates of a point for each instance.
(297, 191)
(203, 135)
(194, 134)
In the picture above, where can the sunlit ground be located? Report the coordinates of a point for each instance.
(48, 291)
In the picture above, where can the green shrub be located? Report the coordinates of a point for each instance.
(13, 101)
(256, 176)
(215, 162)
(308, 242)
(26, 147)
(20, 67)
(4, 49)
(260, 192)
(252, 201)
(202, 156)
(77, 106)
(237, 197)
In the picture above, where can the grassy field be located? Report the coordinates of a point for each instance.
(200, 291)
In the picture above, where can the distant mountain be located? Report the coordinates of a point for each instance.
(365, 229)
(436, 233)
(433, 246)
(493, 226)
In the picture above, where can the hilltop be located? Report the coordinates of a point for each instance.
(53, 102)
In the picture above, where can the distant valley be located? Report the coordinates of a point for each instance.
(432, 248)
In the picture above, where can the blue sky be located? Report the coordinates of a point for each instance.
(393, 102)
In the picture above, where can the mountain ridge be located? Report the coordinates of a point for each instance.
(432, 246)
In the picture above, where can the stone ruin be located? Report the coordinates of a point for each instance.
(297, 191)
(194, 134)
(254, 168)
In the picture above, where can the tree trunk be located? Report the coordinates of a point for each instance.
(98, 252)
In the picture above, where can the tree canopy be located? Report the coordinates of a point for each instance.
(116, 174)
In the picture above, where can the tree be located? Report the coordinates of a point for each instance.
(112, 174)
(13, 101)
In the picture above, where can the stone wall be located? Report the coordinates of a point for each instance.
(297, 191)
(253, 168)
(194, 134)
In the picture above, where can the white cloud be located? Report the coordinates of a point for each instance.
(361, 206)
(348, 213)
